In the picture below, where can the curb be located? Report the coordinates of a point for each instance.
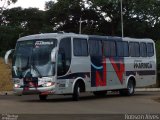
(147, 89)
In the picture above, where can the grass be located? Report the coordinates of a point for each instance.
(5, 77)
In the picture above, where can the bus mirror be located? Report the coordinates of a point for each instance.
(53, 55)
(6, 57)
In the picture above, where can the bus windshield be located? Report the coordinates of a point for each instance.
(32, 58)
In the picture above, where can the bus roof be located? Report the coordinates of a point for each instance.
(50, 35)
(62, 35)
(138, 39)
(104, 37)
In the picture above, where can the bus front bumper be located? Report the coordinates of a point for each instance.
(38, 90)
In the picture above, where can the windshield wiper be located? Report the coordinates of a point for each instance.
(18, 70)
(35, 68)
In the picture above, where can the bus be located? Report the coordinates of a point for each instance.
(69, 64)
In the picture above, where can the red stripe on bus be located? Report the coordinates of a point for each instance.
(119, 71)
(104, 71)
(101, 79)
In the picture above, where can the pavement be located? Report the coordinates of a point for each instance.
(140, 103)
(137, 90)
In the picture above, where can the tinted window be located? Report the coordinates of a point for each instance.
(134, 49)
(42, 51)
(64, 56)
(109, 48)
(143, 49)
(80, 47)
(122, 49)
(150, 49)
(126, 49)
(95, 47)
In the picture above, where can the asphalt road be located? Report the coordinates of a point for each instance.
(140, 103)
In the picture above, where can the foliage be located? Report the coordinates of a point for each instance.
(8, 37)
(158, 55)
(31, 20)
(18, 22)
(5, 4)
(65, 15)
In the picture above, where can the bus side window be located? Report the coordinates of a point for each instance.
(126, 49)
(109, 48)
(122, 49)
(61, 62)
(150, 49)
(64, 56)
(143, 49)
(95, 48)
(134, 49)
(80, 47)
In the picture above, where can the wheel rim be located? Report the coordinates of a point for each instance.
(130, 87)
(78, 90)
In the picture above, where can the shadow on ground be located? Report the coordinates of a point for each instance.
(88, 97)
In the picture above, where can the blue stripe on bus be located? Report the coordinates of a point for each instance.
(142, 72)
(97, 67)
(75, 75)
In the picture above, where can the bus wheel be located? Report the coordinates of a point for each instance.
(130, 89)
(100, 93)
(42, 97)
(76, 92)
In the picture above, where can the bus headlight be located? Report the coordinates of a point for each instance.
(17, 86)
(48, 84)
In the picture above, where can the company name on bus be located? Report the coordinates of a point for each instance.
(43, 43)
(140, 64)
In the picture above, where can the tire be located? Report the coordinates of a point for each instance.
(100, 93)
(43, 97)
(76, 92)
(130, 89)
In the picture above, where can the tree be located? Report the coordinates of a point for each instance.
(5, 4)
(8, 38)
(64, 15)
(18, 22)
(143, 14)
(31, 20)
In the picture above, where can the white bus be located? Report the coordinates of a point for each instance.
(68, 63)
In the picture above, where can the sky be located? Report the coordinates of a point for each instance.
(30, 3)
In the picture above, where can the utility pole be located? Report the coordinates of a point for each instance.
(80, 24)
(122, 19)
